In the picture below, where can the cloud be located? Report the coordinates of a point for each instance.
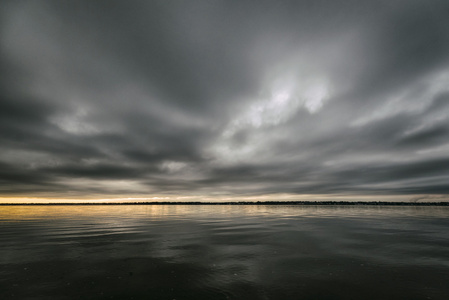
(214, 98)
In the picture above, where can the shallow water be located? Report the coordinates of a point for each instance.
(224, 252)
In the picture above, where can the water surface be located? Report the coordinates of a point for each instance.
(224, 252)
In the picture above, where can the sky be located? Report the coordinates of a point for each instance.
(218, 100)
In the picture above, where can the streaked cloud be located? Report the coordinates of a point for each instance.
(224, 98)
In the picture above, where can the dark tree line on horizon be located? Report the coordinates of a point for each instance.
(346, 203)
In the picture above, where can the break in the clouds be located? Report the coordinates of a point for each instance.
(224, 98)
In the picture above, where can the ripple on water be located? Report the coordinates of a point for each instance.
(224, 252)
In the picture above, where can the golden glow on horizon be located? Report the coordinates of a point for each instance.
(275, 197)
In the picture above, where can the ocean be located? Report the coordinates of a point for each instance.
(224, 252)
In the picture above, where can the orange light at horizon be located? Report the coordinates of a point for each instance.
(205, 198)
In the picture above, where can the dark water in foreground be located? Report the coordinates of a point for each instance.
(224, 252)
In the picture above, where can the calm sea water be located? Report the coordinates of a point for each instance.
(224, 252)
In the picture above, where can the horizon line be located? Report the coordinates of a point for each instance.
(382, 203)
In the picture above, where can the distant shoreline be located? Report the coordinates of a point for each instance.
(305, 203)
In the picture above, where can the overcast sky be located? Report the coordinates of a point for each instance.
(224, 98)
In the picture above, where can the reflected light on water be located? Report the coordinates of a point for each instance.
(97, 212)
(223, 252)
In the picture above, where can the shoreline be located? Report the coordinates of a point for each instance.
(301, 203)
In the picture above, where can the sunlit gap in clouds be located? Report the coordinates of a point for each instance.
(247, 134)
(280, 104)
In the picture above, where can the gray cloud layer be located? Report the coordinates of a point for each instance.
(224, 97)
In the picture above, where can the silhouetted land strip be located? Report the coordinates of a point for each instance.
(346, 203)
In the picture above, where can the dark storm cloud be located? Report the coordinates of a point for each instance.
(224, 97)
